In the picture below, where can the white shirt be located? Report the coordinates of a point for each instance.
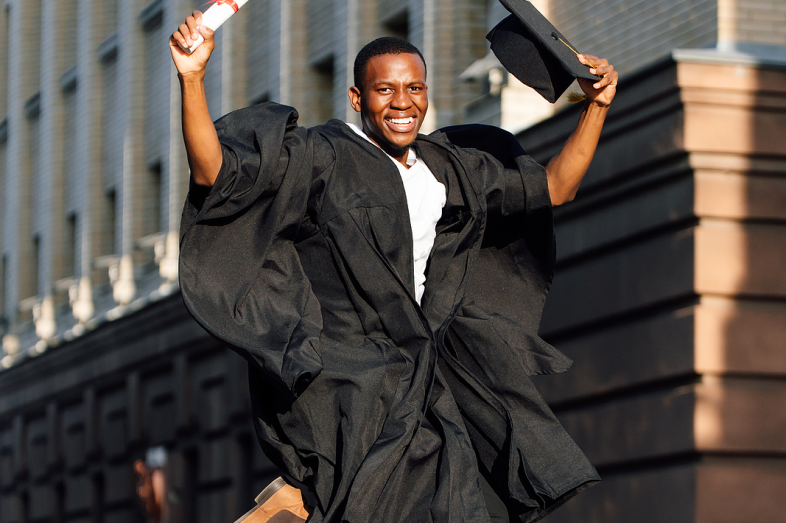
(425, 200)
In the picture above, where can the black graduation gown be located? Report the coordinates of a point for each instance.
(300, 259)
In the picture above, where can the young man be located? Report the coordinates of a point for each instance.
(386, 288)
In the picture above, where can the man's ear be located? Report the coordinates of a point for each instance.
(354, 98)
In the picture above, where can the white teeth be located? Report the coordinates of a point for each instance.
(401, 121)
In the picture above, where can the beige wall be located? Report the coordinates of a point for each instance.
(73, 424)
(634, 33)
(93, 163)
(756, 21)
(669, 296)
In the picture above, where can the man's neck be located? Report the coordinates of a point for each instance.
(397, 153)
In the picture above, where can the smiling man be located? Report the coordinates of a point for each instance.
(386, 289)
(391, 94)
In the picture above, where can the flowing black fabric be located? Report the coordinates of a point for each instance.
(300, 258)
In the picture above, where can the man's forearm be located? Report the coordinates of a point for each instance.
(566, 170)
(199, 133)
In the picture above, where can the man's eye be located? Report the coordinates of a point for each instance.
(385, 90)
(416, 88)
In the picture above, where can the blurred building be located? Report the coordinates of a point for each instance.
(669, 296)
(669, 292)
(101, 365)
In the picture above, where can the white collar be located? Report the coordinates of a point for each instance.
(411, 160)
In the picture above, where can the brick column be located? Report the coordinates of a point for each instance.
(57, 49)
(356, 23)
(298, 55)
(11, 204)
(174, 162)
(422, 25)
(669, 296)
(23, 84)
(92, 27)
(130, 98)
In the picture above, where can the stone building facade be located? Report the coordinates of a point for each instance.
(669, 296)
(100, 364)
(75, 419)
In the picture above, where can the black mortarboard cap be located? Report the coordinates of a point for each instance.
(532, 50)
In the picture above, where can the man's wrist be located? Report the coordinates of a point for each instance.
(192, 77)
(596, 107)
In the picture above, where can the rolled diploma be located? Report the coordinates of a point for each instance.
(213, 18)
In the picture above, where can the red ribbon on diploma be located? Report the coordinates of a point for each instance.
(230, 3)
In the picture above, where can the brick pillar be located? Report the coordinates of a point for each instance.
(14, 104)
(277, 81)
(57, 55)
(95, 24)
(174, 161)
(300, 85)
(450, 34)
(130, 118)
(669, 296)
(23, 84)
(422, 24)
(346, 39)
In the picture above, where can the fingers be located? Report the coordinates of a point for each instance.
(592, 60)
(188, 32)
(609, 79)
(602, 70)
(600, 67)
(183, 36)
(177, 39)
(206, 33)
(194, 23)
(608, 76)
(191, 27)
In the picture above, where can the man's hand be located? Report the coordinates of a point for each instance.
(186, 35)
(601, 92)
(199, 134)
(566, 169)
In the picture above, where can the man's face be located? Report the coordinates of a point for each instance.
(393, 102)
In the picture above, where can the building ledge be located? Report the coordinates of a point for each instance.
(33, 106)
(107, 50)
(151, 288)
(68, 80)
(152, 15)
(742, 53)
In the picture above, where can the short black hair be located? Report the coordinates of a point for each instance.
(380, 46)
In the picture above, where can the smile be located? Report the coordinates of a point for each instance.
(401, 121)
(401, 124)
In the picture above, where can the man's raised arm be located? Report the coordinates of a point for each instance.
(566, 170)
(199, 133)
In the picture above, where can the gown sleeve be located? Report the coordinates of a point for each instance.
(517, 257)
(492, 344)
(240, 276)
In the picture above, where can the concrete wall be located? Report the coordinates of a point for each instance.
(93, 166)
(669, 296)
(756, 21)
(72, 424)
(633, 33)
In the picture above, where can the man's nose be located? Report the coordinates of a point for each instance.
(401, 100)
